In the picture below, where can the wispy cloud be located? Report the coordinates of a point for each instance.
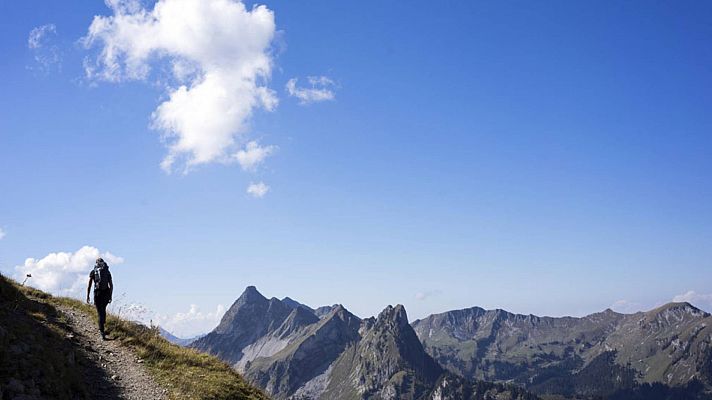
(701, 300)
(627, 306)
(184, 324)
(426, 294)
(321, 88)
(257, 190)
(64, 273)
(253, 155)
(220, 57)
(41, 42)
(192, 322)
(37, 35)
(2, 234)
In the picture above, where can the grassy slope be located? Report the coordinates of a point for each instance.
(186, 373)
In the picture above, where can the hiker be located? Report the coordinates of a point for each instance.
(103, 289)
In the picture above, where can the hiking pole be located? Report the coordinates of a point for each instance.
(17, 296)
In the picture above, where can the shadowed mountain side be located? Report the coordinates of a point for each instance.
(307, 356)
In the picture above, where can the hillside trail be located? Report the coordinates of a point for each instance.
(115, 371)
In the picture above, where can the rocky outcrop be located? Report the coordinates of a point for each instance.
(387, 363)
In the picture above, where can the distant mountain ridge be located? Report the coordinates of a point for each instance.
(175, 339)
(595, 355)
(293, 351)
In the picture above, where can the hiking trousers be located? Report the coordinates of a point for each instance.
(101, 300)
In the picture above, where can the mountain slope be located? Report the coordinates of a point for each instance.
(595, 355)
(307, 357)
(49, 348)
(250, 318)
(388, 362)
(175, 339)
(295, 352)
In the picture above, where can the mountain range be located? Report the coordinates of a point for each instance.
(175, 339)
(293, 351)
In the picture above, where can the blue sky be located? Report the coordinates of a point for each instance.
(549, 158)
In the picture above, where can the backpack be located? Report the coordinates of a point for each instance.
(102, 277)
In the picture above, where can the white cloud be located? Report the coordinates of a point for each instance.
(425, 295)
(2, 234)
(192, 323)
(627, 306)
(64, 273)
(253, 155)
(220, 57)
(37, 35)
(45, 52)
(182, 324)
(257, 190)
(320, 88)
(701, 300)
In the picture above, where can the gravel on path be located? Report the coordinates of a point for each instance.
(116, 372)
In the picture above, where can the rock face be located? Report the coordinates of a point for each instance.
(596, 355)
(388, 362)
(307, 356)
(250, 318)
(295, 352)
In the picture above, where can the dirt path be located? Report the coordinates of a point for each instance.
(115, 371)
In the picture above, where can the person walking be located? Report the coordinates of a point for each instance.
(103, 290)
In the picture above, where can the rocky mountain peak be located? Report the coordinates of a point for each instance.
(393, 317)
(295, 304)
(338, 309)
(674, 313)
(323, 310)
(683, 307)
(297, 319)
(344, 317)
(250, 295)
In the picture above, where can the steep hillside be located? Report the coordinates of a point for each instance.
(36, 359)
(49, 348)
(599, 354)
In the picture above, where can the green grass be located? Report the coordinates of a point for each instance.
(185, 373)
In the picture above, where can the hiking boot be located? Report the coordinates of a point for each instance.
(103, 336)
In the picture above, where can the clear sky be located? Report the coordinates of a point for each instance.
(552, 158)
